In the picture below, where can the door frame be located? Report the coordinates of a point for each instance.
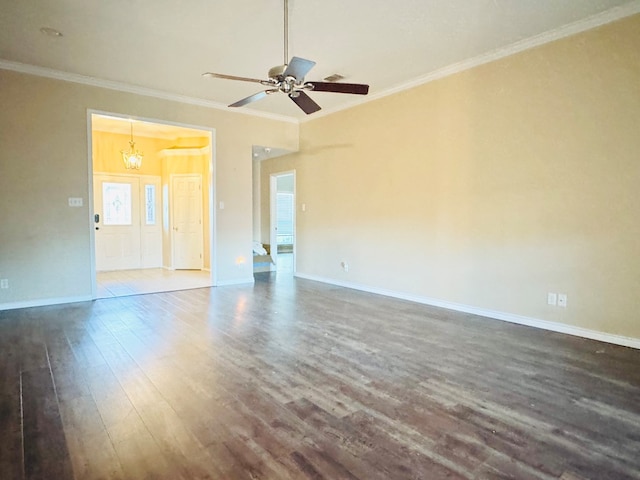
(273, 217)
(211, 177)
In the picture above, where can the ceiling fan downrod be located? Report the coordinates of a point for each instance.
(289, 79)
(286, 32)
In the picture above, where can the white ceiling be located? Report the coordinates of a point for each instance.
(166, 45)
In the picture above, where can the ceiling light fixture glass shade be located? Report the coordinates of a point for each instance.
(132, 158)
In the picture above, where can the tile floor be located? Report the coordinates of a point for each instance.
(121, 283)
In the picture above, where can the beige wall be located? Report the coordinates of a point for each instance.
(45, 248)
(488, 188)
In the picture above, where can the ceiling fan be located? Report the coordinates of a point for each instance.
(289, 79)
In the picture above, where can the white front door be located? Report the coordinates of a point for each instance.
(117, 204)
(187, 233)
(128, 230)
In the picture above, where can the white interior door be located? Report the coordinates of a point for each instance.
(273, 218)
(117, 204)
(186, 220)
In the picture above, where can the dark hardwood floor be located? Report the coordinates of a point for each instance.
(293, 379)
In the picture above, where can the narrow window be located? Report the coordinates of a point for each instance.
(150, 204)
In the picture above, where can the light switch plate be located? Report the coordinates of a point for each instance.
(75, 201)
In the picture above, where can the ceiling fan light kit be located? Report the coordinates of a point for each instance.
(289, 79)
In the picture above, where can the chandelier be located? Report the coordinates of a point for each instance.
(132, 158)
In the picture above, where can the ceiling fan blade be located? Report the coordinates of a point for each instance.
(298, 68)
(353, 88)
(249, 99)
(231, 77)
(305, 102)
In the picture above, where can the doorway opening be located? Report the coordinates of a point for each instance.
(153, 228)
(283, 221)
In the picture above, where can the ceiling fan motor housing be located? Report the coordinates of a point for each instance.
(277, 73)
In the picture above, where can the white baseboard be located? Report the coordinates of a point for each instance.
(237, 281)
(483, 312)
(44, 302)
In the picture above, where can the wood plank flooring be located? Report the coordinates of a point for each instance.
(293, 379)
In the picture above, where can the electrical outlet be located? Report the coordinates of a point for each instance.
(345, 266)
(552, 298)
(4, 283)
(562, 300)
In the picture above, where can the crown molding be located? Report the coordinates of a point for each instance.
(126, 88)
(594, 21)
(180, 151)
